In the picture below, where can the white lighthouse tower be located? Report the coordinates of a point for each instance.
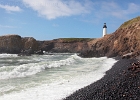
(104, 29)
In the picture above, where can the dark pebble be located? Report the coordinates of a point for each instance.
(119, 83)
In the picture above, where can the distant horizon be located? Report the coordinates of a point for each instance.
(48, 20)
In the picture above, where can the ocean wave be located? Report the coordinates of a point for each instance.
(8, 72)
(63, 87)
(8, 55)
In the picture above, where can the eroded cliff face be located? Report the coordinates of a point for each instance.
(10, 44)
(14, 44)
(125, 39)
(61, 46)
(30, 42)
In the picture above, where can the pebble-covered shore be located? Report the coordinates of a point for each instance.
(119, 83)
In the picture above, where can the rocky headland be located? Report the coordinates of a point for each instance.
(125, 40)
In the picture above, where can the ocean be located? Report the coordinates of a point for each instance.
(48, 77)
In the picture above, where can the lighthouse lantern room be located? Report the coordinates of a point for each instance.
(104, 29)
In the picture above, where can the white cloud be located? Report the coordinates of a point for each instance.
(111, 10)
(7, 26)
(55, 25)
(132, 8)
(10, 8)
(115, 10)
(52, 9)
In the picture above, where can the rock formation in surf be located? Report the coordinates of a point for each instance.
(10, 44)
(15, 43)
(30, 43)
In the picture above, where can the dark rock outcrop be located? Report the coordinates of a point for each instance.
(63, 46)
(74, 47)
(30, 43)
(14, 44)
(10, 44)
(46, 45)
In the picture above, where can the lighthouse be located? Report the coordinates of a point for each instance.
(104, 29)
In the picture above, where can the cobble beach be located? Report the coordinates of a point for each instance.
(118, 84)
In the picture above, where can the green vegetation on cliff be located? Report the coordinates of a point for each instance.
(69, 40)
(130, 22)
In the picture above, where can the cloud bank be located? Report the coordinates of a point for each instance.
(52, 9)
(115, 10)
(6, 26)
(10, 8)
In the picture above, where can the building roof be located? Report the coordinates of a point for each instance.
(104, 25)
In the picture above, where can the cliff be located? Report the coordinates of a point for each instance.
(126, 39)
(30, 42)
(10, 44)
(14, 44)
(65, 45)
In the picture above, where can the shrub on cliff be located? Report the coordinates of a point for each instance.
(70, 40)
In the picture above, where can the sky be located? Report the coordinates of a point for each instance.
(52, 19)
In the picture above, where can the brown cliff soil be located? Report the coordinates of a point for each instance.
(125, 39)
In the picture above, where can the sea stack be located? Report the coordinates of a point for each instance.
(104, 29)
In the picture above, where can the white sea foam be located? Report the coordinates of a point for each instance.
(7, 55)
(8, 72)
(65, 86)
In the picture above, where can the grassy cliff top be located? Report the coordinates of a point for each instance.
(130, 22)
(69, 40)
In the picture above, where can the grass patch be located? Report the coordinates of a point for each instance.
(130, 22)
(69, 40)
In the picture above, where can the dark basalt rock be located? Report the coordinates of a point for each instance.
(26, 52)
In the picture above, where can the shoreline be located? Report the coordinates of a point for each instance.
(117, 84)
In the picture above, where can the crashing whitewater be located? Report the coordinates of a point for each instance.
(48, 77)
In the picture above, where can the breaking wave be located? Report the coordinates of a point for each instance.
(8, 72)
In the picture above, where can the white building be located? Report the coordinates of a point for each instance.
(104, 29)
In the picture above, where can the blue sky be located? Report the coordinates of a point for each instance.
(51, 19)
